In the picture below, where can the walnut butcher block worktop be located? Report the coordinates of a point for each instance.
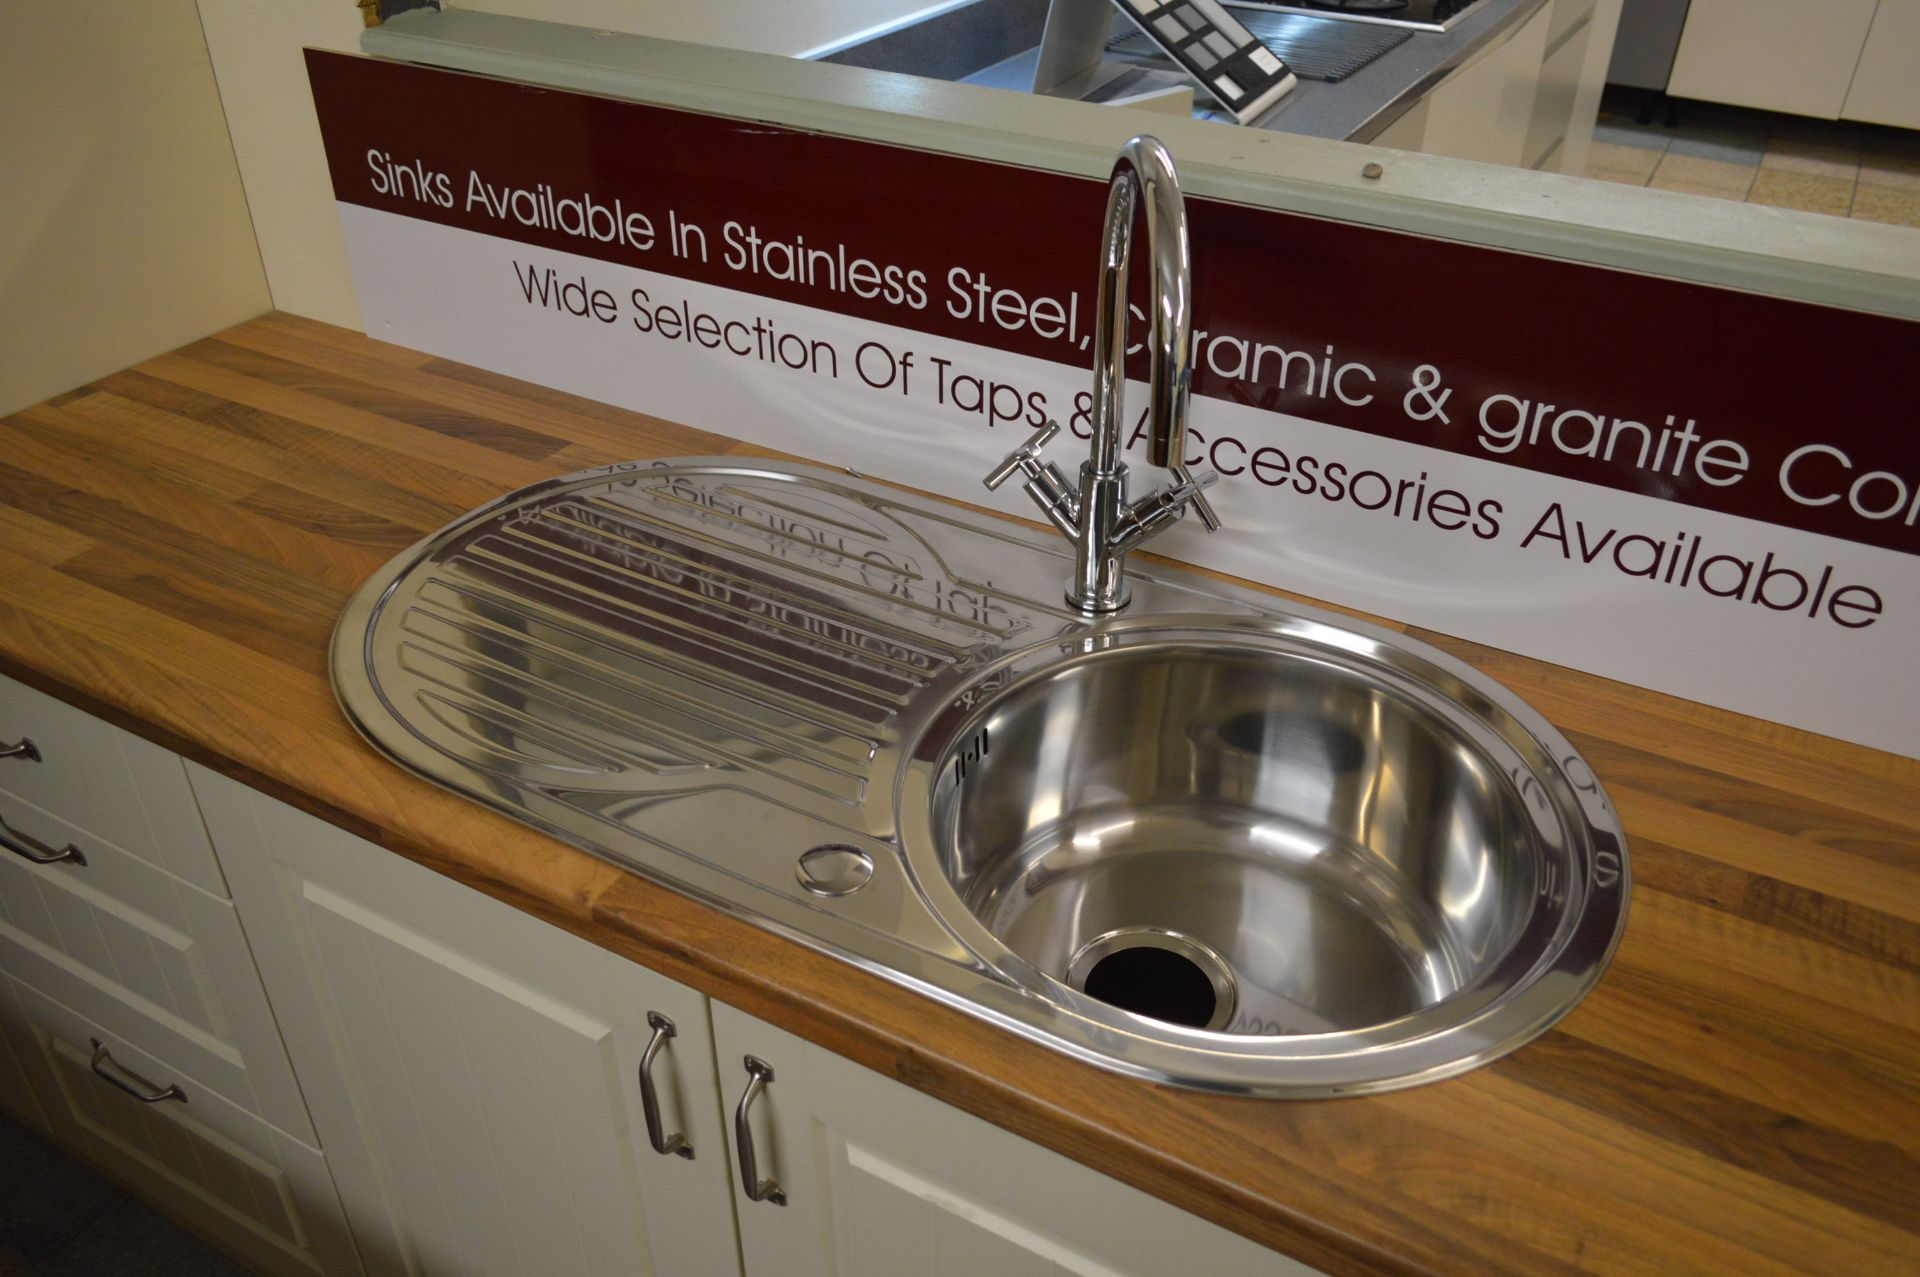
(1741, 1094)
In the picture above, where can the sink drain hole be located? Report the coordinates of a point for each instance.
(1158, 974)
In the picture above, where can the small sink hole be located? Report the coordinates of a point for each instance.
(1158, 974)
(1156, 984)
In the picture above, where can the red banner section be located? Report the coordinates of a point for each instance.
(1795, 414)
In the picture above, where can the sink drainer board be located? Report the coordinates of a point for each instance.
(1214, 841)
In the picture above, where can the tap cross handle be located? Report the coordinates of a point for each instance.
(1024, 457)
(1191, 488)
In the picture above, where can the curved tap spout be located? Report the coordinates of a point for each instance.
(1143, 178)
(1098, 517)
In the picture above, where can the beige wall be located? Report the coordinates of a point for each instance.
(276, 138)
(123, 229)
(256, 57)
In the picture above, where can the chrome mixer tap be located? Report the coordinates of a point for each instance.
(1097, 517)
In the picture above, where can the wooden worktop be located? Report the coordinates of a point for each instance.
(1741, 1093)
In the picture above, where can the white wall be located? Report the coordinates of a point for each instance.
(764, 26)
(123, 229)
(263, 82)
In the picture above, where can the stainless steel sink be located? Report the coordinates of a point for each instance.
(1293, 851)
(1219, 841)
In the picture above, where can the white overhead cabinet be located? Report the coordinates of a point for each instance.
(1830, 59)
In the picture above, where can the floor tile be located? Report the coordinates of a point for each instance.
(1726, 147)
(1810, 192)
(1623, 159)
(1620, 177)
(1893, 163)
(1624, 132)
(1816, 158)
(1695, 188)
(1893, 205)
(1696, 170)
(46, 1197)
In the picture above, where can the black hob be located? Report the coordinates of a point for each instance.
(1423, 15)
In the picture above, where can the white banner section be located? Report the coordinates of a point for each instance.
(1802, 629)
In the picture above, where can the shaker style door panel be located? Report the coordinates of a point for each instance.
(263, 1195)
(472, 1070)
(881, 1181)
(16, 1093)
(129, 945)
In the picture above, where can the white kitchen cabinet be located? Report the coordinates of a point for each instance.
(1529, 99)
(1886, 83)
(1796, 56)
(123, 969)
(16, 1092)
(473, 1075)
(475, 1079)
(474, 1072)
(1484, 111)
(134, 794)
(881, 1181)
(264, 1195)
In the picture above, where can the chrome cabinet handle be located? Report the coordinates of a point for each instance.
(129, 1081)
(663, 1144)
(33, 849)
(758, 1190)
(22, 748)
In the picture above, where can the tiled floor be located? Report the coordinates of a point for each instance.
(1864, 171)
(60, 1219)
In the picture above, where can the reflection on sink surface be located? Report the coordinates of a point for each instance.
(1218, 841)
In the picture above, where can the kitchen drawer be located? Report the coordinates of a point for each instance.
(146, 956)
(106, 781)
(16, 1095)
(268, 1198)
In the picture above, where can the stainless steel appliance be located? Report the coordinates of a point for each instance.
(1422, 15)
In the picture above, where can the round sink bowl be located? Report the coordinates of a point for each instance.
(1273, 857)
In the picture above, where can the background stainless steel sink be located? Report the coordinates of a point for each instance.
(1324, 859)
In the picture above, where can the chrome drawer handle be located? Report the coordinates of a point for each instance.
(758, 1190)
(129, 1081)
(33, 849)
(22, 748)
(665, 1145)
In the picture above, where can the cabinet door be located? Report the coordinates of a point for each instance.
(1886, 84)
(1483, 111)
(881, 1181)
(1779, 55)
(472, 1070)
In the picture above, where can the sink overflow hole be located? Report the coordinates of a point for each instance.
(973, 753)
(1157, 974)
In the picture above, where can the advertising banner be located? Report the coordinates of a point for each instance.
(1689, 488)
